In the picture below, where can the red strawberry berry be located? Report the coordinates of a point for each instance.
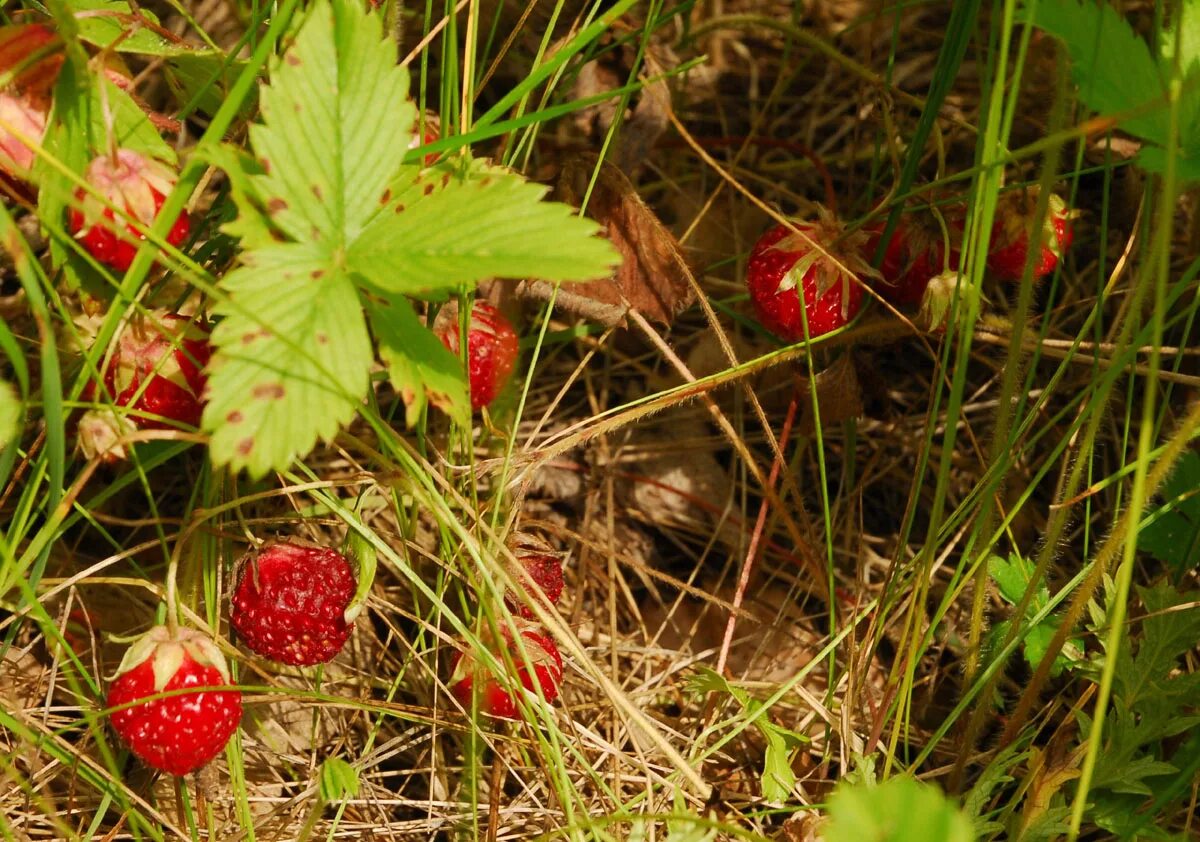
(915, 253)
(135, 185)
(156, 370)
(1009, 247)
(781, 261)
(290, 601)
(432, 132)
(540, 566)
(181, 733)
(491, 349)
(494, 698)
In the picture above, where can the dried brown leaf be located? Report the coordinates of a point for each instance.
(653, 279)
(839, 395)
(646, 112)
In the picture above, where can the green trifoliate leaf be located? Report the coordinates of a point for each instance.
(494, 224)
(1012, 575)
(421, 368)
(292, 358)
(336, 125)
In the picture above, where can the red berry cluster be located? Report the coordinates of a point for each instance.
(289, 604)
(826, 263)
(536, 662)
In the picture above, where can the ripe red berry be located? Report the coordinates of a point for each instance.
(494, 699)
(177, 734)
(135, 185)
(1009, 246)
(432, 132)
(915, 253)
(156, 369)
(781, 262)
(290, 601)
(540, 566)
(491, 348)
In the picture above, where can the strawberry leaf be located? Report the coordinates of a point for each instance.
(252, 224)
(292, 361)
(898, 810)
(113, 24)
(778, 778)
(1172, 534)
(1012, 577)
(336, 125)
(1093, 34)
(420, 366)
(339, 780)
(493, 224)
(329, 214)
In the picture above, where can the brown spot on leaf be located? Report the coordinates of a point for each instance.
(317, 274)
(400, 207)
(266, 165)
(268, 391)
(276, 205)
(428, 189)
(254, 335)
(234, 417)
(316, 191)
(291, 58)
(322, 338)
(245, 446)
(386, 197)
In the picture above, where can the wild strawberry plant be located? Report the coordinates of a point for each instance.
(337, 232)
